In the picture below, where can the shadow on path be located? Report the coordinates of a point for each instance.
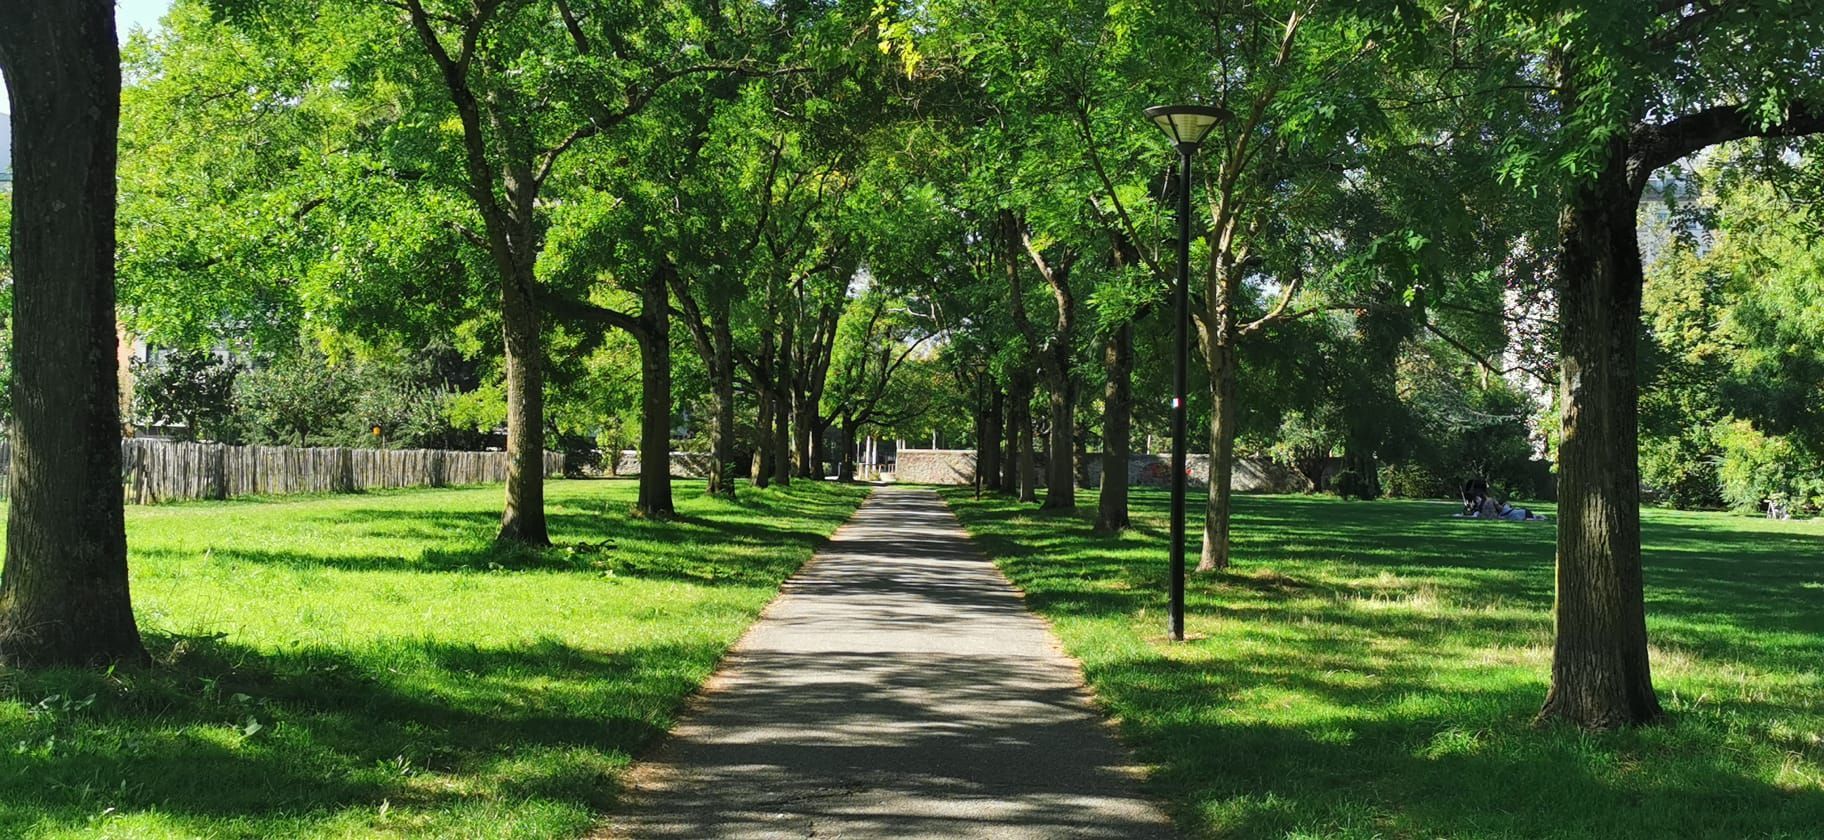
(898, 689)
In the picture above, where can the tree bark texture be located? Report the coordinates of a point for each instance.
(1010, 454)
(845, 471)
(1117, 429)
(782, 407)
(1600, 674)
(993, 426)
(1601, 678)
(64, 598)
(782, 440)
(722, 467)
(762, 371)
(1060, 463)
(524, 517)
(1219, 349)
(655, 395)
(1027, 470)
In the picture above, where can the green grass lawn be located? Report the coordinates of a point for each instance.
(369, 666)
(1372, 670)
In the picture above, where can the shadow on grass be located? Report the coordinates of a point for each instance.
(713, 541)
(367, 732)
(221, 730)
(1371, 669)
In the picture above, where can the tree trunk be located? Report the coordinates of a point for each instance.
(1024, 462)
(763, 431)
(722, 448)
(988, 450)
(64, 598)
(846, 472)
(1220, 351)
(655, 397)
(801, 437)
(1010, 455)
(806, 439)
(763, 425)
(820, 444)
(1060, 466)
(524, 517)
(1600, 673)
(1117, 430)
(782, 409)
(782, 441)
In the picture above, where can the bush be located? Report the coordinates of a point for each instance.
(1757, 466)
(1416, 481)
(1681, 472)
(188, 392)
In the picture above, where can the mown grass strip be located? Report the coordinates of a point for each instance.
(1372, 669)
(373, 666)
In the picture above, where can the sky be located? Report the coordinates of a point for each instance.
(128, 14)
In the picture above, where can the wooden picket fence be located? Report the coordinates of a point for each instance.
(154, 471)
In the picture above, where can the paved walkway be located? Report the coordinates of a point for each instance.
(898, 689)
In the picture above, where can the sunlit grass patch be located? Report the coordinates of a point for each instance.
(375, 666)
(1372, 670)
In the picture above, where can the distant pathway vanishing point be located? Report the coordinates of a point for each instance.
(897, 689)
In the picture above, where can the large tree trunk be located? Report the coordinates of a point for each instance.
(524, 517)
(64, 598)
(1600, 674)
(655, 397)
(1117, 430)
(1220, 351)
(1060, 466)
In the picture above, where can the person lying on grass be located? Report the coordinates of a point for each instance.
(1489, 508)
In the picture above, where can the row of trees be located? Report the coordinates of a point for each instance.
(1731, 411)
(842, 212)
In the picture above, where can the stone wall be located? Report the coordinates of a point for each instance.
(683, 464)
(935, 466)
(1252, 475)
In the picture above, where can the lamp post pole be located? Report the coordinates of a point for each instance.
(1181, 320)
(1186, 125)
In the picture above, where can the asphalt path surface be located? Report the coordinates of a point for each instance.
(898, 688)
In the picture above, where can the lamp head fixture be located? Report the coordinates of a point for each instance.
(1187, 125)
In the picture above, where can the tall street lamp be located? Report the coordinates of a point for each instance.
(1186, 125)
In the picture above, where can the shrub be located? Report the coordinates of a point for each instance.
(1757, 466)
(1681, 472)
(1416, 481)
(188, 392)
